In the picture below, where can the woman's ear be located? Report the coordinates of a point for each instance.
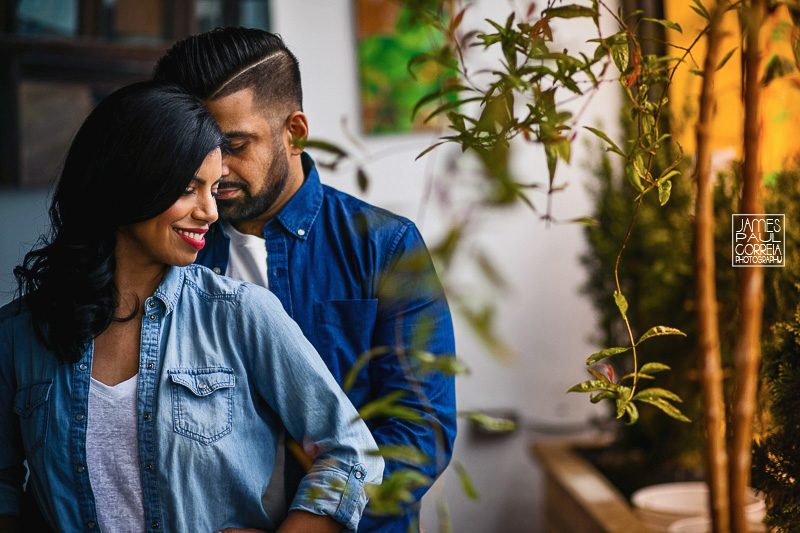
(297, 130)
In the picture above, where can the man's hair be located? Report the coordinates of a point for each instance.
(223, 61)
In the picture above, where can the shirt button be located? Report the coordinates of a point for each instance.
(301, 232)
(82, 366)
(155, 525)
(91, 525)
(152, 318)
(146, 416)
(217, 270)
(148, 467)
(78, 417)
(359, 475)
(150, 366)
(81, 469)
(151, 303)
(201, 386)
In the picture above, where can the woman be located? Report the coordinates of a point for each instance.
(145, 392)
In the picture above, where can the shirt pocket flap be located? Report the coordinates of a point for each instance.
(203, 382)
(31, 396)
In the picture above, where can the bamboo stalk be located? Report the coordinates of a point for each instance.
(707, 317)
(747, 354)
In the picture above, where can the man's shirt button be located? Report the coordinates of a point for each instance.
(78, 417)
(152, 318)
(217, 270)
(359, 475)
(146, 416)
(150, 366)
(82, 366)
(301, 232)
(156, 525)
(148, 467)
(81, 469)
(91, 525)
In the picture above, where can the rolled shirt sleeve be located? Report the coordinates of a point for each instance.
(289, 374)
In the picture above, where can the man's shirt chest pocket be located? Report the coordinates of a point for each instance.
(202, 402)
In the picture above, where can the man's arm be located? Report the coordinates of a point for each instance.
(413, 318)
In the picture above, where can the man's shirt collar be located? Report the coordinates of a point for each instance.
(300, 212)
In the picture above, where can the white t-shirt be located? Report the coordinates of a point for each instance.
(112, 456)
(248, 262)
(248, 257)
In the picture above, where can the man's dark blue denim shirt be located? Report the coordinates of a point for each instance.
(356, 277)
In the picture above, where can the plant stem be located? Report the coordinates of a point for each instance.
(707, 317)
(747, 354)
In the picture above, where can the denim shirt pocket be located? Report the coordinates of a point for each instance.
(32, 405)
(202, 402)
(344, 331)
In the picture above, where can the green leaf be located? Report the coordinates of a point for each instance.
(435, 95)
(700, 9)
(668, 408)
(614, 148)
(659, 331)
(322, 145)
(586, 221)
(664, 189)
(450, 105)
(592, 385)
(491, 424)
(726, 58)
(666, 23)
(387, 407)
(622, 303)
(605, 395)
(654, 393)
(697, 72)
(363, 181)
(362, 360)
(608, 352)
(619, 52)
(445, 364)
(466, 482)
(633, 413)
(633, 176)
(653, 368)
(395, 490)
(622, 403)
(400, 453)
(569, 12)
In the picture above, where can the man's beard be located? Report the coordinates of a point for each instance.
(250, 206)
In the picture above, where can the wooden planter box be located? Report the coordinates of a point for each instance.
(578, 498)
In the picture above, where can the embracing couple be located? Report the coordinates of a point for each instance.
(148, 393)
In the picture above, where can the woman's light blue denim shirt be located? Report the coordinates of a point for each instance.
(220, 366)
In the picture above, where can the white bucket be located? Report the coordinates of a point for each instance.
(659, 506)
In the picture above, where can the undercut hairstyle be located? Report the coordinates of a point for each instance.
(133, 157)
(223, 61)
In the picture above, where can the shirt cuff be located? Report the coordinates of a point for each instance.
(333, 492)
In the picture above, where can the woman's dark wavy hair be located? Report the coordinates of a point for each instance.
(131, 160)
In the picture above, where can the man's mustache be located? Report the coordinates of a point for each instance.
(231, 185)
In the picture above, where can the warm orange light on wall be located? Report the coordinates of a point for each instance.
(780, 100)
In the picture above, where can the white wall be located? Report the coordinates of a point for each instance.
(541, 316)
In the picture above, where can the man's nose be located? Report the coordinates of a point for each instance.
(225, 168)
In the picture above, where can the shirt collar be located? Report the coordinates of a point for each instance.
(299, 213)
(170, 287)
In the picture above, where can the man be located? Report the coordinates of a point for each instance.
(354, 277)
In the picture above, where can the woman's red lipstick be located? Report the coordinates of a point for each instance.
(193, 236)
